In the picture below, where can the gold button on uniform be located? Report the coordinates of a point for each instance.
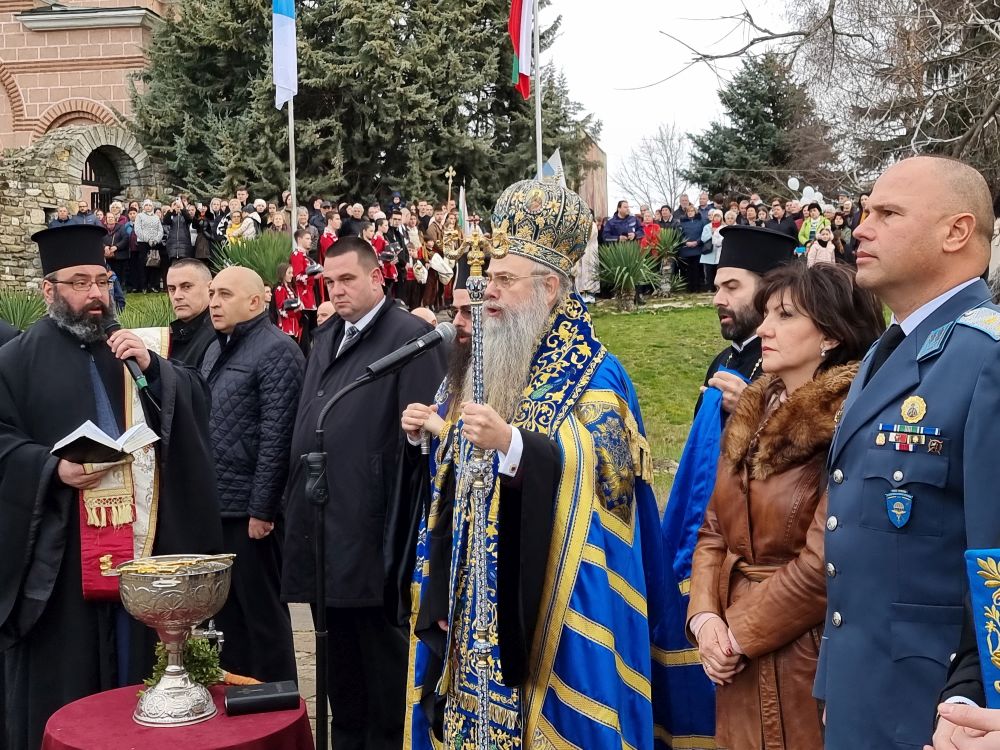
(838, 476)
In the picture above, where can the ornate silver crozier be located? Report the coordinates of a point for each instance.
(172, 594)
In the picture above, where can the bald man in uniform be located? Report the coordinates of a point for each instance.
(913, 465)
(255, 374)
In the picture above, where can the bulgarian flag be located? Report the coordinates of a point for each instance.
(521, 29)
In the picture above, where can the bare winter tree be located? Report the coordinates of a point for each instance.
(651, 173)
(893, 77)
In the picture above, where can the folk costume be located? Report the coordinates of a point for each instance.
(62, 626)
(573, 547)
(691, 694)
(289, 316)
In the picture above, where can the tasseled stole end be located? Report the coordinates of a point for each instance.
(120, 510)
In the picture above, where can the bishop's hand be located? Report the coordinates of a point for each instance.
(484, 428)
(418, 417)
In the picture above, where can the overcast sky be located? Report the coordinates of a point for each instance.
(605, 53)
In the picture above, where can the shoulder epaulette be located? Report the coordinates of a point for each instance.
(935, 341)
(983, 319)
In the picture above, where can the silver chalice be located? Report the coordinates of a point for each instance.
(172, 594)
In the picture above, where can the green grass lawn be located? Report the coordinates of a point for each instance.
(666, 352)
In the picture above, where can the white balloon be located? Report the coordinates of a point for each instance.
(793, 183)
(818, 197)
(808, 194)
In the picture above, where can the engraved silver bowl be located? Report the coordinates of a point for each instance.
(172, 594)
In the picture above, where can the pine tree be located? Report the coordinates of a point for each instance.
(391, 93)
(765, 135)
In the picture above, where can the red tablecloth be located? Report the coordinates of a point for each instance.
(104, 722)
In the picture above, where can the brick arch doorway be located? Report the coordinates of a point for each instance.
(107, 172)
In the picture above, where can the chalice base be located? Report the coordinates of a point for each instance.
(175, 701)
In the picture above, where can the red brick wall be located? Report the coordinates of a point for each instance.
(54, 78)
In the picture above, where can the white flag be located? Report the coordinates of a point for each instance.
(284, 54)
(554, 168)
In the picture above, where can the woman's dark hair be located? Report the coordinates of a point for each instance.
(840, 216)
(281, 271)
(828, 295)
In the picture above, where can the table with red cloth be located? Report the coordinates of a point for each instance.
(104, 722)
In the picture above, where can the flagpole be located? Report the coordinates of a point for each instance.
(291, 169)
(538, 91)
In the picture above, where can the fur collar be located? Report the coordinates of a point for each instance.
(796, 432)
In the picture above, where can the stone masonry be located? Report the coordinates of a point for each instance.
(36, 180)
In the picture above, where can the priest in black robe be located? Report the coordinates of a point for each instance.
(58, 645)
(747, 254)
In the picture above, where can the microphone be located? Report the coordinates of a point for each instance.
(130, 364)
(411, 350)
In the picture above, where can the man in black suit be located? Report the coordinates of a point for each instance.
(364, 442)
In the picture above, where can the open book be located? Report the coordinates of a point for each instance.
(89, 444)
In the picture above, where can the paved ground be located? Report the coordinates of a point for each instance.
(305, 652)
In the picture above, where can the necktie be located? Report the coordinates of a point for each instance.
(351, 332)
(890, 340)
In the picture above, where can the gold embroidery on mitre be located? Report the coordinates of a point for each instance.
(545, 222)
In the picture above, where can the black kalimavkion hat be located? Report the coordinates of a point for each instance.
(755, 249)
(72, 245)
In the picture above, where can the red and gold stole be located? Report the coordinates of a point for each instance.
(118, 517)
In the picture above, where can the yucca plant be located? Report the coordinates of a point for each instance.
(263, 254)
(146, 311)
(624, 266)
(668, 242)
(21, 308)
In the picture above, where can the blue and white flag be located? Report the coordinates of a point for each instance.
(285, 56)
(554, 168)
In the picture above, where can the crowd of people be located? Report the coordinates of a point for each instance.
(824, 232)
(811, 552)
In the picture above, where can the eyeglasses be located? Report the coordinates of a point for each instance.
(83, 285)
(507, 280)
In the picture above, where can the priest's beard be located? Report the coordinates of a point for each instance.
(82, 325)
(509, 345)
(744, 321)
(459, 360)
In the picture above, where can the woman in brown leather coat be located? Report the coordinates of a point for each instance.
(758, 591)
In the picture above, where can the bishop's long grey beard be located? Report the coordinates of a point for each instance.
(509, 345)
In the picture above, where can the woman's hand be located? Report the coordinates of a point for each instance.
(718, 657)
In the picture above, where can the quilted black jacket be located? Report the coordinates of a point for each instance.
(255, 378)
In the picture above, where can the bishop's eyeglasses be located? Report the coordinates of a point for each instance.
(507, 280)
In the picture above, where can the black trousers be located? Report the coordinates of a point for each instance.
(254, 622)
(691, 269)
(137, 267)
(710, 269)
(121, 269)
(366, 677)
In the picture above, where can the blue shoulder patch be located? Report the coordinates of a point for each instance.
(935, 341)
(983, 319)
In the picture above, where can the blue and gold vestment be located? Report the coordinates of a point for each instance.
(590, 665)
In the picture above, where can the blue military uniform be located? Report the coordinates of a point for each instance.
(914, 481)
